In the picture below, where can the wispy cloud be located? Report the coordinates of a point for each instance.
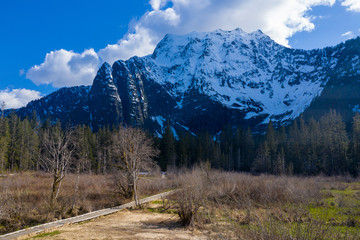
(348, 35)
(17, 98)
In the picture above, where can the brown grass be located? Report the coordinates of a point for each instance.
(24, 198)
(229, 205)
(154, 184)
(244, 191)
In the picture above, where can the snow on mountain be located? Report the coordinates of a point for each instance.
(203, 81)
(242, 71)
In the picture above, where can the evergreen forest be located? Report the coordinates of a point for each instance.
(304, 147)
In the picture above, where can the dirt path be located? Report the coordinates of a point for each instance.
(127, 224)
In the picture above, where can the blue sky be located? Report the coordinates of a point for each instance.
(46, 44)
(331, 23)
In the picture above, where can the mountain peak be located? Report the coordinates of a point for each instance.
(103, 76)
(172, 46)
(205, 80)
(104, 100)
(105, 69)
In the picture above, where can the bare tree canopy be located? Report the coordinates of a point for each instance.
(58, 148)
(134, 151)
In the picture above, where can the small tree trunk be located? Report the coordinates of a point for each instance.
(59, 185)
(137, 203)
(55, 188)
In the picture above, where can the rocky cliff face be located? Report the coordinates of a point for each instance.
(129, 80)
(104, 101)
(203, 81)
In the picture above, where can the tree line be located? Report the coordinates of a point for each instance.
(305, 147)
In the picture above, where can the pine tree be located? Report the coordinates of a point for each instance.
(226, 140)
(14, 146)
(248, 149)
(91, 149)
(355, 146)
(168, 148)
(262, 161)
(313, 159)
(204, 141)
(104, 144)
(4, 142)
(294, 150)
(279, 163)
(183, 150)
(335, 143)
(238, 141)
(272, 144)
(25, 158)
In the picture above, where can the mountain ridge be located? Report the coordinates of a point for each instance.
(203, 81)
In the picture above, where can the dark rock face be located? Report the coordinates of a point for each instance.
(204, 81)
(129, 81)
(104, 100)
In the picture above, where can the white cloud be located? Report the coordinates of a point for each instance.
(157, 4)
(280, 19)
(348, 35)
(352, 5)
(140, 43)
(65, 68)
(17, 98)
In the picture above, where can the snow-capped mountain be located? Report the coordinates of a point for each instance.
(248, 72)
(203, 81)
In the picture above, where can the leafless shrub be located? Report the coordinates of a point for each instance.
(204, 189)
(192, 196)
(244, 191)
(123, 185)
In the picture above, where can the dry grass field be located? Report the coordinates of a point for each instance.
(24, 198)
(210, 204)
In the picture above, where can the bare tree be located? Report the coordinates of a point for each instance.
(134, 151)
(57, 154)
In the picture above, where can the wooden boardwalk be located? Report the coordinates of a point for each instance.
(80, 218)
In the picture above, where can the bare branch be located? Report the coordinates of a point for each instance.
(134, 152)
